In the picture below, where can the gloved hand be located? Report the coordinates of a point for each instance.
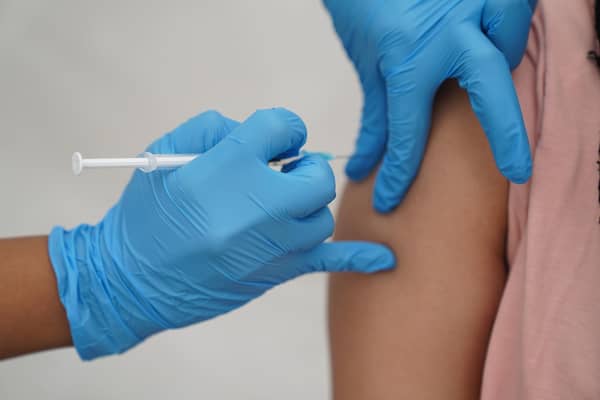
(403, 50)
(186, 245)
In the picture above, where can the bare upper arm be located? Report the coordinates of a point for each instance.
(421, 331)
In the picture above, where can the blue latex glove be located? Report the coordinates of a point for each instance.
(403, 50)
(186, 245)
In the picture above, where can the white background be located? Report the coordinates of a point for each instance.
(106, 78)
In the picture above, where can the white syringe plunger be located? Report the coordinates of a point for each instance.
(149, 162)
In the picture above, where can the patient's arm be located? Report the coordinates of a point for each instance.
(421, 331)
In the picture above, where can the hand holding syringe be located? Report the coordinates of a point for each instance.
(197, 242)
(149, 162)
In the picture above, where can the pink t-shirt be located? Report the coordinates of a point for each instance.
(546, 340)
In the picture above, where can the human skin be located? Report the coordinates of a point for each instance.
(421, 331)
(31, 315)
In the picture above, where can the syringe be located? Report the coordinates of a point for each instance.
(149, 162)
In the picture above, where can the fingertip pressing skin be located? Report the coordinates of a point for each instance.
(408, 134)
(496, 105)
(372, 258)
(352, 256)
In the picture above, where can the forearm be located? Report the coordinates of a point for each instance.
(31, 315)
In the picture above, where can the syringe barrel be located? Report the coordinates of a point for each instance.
(114, 162)
(173, 160)
(78, 163)
(149, 162)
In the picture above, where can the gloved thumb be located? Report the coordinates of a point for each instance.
(347, 257)
(506, 23)
(197, 135)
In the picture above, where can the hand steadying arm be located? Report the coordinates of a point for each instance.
(403, 50)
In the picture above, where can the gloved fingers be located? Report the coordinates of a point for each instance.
(409, 101)
(506, 23)
(311, 231)
(361, 257)
(309, 186)
(484, 73)
(270, 134)
(370, 144)
(197, 135)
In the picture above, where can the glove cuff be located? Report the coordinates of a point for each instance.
(97, 327)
